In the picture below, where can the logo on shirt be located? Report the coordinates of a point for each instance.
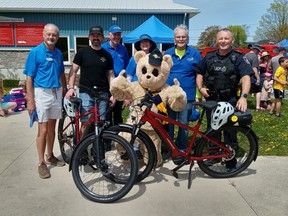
(103, 59)
(246, 60)
(190, 59)
(220, 69)
(49, 59)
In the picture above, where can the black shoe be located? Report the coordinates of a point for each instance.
(107, 145)
(231, 164)
(124, 156)
(211, 162)
(139, 154)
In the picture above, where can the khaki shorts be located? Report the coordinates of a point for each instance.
(48, 103)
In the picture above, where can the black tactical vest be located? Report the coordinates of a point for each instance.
(221, 78)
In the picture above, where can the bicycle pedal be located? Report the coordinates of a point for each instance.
(179, 160)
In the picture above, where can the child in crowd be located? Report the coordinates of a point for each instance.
(267, 91)
(5, 106)
(279, 85)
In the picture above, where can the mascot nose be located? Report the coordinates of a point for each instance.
(148, 77)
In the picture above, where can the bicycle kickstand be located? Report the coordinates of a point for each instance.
(173, 171)
(190, 174)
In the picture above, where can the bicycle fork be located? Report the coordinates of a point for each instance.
(99, 149)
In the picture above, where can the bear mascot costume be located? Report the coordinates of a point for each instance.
(152, 71)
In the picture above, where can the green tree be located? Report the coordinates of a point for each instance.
(240, 35)
(273, 25)
(207, 38)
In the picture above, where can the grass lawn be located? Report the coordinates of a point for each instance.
(272, 131)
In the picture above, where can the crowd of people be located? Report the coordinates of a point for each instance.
(217, 76)
(269, 81)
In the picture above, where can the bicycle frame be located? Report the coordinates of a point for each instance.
(95, 117)
(156, 119)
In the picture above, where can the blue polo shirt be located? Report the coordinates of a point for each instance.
(44, 66)
(184, 70)
(120, 56)
(131, 69)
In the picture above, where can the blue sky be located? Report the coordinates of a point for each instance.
(225, 13)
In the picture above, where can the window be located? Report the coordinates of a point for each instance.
(80, 42)
(63, 45)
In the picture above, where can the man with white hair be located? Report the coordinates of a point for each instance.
(46, 84)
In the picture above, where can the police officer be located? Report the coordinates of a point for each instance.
(219, 73)
(218, 76)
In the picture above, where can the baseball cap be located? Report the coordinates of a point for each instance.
(256, 47)
(145, 37)
(155, 57)
(280, 49)
(96, 30)
(33, 118)
(264, 54)
(114, 29)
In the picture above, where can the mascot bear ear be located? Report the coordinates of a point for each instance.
(138, 55)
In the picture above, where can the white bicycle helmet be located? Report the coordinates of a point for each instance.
(69, 107)
(221, 114)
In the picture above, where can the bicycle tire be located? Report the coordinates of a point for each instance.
(245, 151)
(66, 138)
(117, 177)
(147, 149)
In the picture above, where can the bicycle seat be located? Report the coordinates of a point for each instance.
(207, 104)
(77, 101)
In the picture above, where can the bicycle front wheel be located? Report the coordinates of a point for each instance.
(66, 136)
(243, 146)
(110, 180)
(143, 146)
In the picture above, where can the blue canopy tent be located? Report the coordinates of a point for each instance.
(159, 32)
(283, 43)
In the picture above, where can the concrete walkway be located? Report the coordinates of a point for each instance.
(261, 190)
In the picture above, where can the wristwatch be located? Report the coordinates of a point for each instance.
(244, 95)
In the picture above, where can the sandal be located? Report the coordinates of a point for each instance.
(2, 113)
(260, 109)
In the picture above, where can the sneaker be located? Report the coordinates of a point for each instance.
(279, 116)
(52, 160)
(270, 114)
(231, 165)
(211, 162)
(43, 171)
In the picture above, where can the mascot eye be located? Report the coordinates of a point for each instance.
(155, 72)
(144, 70)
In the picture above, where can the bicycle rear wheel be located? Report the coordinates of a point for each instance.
(66, 136)
(146, 151)
(114, 178)
(243, 146)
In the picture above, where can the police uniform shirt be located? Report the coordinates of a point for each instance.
(241, 64)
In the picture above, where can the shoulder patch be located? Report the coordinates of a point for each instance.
(246, 60)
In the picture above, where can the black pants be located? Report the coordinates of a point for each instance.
(230, 136)
(115, 116)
